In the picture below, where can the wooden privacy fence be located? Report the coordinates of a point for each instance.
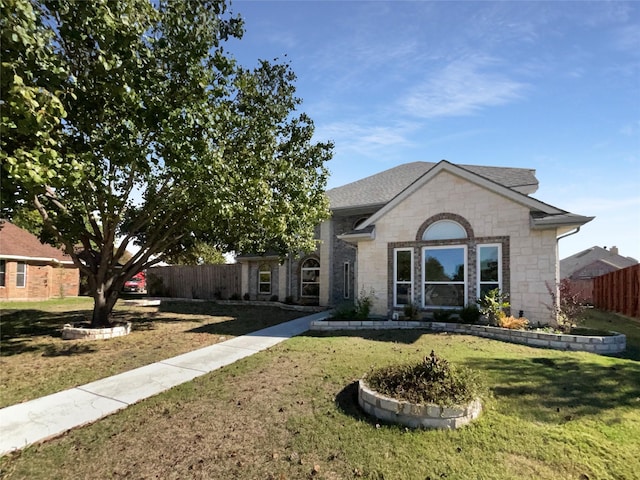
(619, 291)
(195, 281)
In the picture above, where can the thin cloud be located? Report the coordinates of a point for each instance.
(462, 88)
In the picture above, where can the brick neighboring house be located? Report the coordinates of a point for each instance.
(436, 235)
(30, 270)
(581, 268)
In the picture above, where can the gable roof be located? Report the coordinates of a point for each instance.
(580, 260)
(379, 189)
(18, 244)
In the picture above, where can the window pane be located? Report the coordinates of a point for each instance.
(403, 266)
(311, 263)
(310, 275)
(489, 264)
(444, 230)
(265, 277)
(21, 274)
(486, 288)
(444, 264)
(444, 295)
(403, 294)
(311, 290)
(3, 270)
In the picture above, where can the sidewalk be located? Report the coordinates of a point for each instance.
(26, 423)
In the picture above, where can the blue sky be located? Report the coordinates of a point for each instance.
(552, 86)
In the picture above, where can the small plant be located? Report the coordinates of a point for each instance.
(513, 323)
(493, 304)
(246, 297)
(411, 311)
(469, 314)
(566, 306)
(274, 298)
(235, 296)
(363, 304)
(442, 316)
(433, 380)
(289, 300)
(344, 312)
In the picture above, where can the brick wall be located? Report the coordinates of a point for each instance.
(43, 281)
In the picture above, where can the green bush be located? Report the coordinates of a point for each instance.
(443, 316)
(469, 314)
(493, 304)
(434, 380)
(411, 311)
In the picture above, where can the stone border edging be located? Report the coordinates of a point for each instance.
(413, 415)
(596, 344)
(76, 333)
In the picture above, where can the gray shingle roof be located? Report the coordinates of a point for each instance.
(380, 188)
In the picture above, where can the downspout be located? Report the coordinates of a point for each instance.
(557, 285)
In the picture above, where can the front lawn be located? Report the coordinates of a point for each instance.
(35, 361)
(290, 413)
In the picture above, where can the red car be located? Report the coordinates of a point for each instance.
(137, 283)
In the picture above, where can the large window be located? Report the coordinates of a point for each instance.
(310, 275)
(489, 268)
(21, 274)
(3, 272)
(264, 279)
(444, 276)
(402, 276)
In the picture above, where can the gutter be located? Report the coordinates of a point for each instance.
(36, 259)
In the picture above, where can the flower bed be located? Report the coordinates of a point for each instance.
(603, 344)
(414, 415)
(70, 332)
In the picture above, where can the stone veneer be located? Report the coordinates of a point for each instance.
(597, 344)
(414, 415)
(74, 333)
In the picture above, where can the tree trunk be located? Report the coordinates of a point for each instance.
(104, 301)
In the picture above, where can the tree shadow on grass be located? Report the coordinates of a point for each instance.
(67, 350)
(557, 390)
(20, 326)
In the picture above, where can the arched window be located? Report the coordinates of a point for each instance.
(264, 279)
(444, 230)
(310, 278)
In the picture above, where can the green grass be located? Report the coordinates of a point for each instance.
(291, 412)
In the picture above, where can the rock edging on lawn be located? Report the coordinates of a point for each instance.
(69, 332)
(414, 415)
(615, 343)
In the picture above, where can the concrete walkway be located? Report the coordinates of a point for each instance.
(26, 423)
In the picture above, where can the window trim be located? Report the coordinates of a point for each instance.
(21, 274)
(403, 282)
(3, 272)
(264, 269)
(479, 281)
(302, 281)
(465, 282)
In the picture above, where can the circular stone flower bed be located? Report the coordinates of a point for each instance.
(431, 394)
(83, 332)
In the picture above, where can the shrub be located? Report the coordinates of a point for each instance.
(433, 380)
(566, 306)
(411, 311)
(363, 304)
(442, 316)
(469, 314)
(289, 300)
(234, 296)
(274, 298)
(345, 312)
(513, 323)
(246, 297)
(492, 305)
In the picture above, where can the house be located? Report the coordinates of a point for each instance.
(31, 270)
(580, 269)
(435, 235)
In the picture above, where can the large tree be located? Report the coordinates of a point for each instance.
(137, 127)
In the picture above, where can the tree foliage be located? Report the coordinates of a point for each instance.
(126, 122)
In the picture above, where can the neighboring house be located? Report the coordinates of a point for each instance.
(580, 269)
(433, 235)
(30, 270)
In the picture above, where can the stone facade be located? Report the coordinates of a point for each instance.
(42, 281)
(529, 256)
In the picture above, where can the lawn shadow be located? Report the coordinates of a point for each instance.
(347, 402)
(406, 336)
(552, 389)
(67, 350)
(19, 326)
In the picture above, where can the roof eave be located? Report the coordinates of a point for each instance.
(567, 220)
(357, 237)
